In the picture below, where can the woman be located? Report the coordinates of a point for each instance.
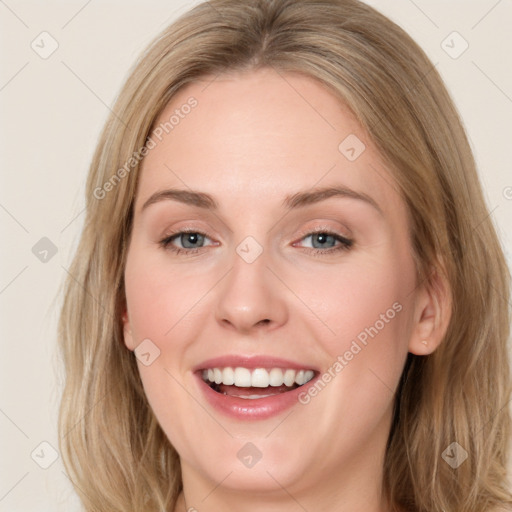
(288, 293)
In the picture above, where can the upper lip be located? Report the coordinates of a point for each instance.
(251, 362)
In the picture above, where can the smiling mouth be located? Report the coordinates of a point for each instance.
(257, 383)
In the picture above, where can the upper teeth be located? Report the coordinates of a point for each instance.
(259, 377)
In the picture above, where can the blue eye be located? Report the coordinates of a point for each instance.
(191, 242)
(325, 242)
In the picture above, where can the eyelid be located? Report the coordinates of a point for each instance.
(344, 243)
(341, 234)
(175, 233)
(327, 230)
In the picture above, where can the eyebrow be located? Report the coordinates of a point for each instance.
(297, 200)
(190, 197)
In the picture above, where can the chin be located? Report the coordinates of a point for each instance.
(262, 465)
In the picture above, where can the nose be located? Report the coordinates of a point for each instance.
(250, 298)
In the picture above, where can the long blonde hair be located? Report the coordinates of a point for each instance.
(116, 454)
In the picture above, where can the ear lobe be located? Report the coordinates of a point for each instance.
(432, 314)
(127, 332)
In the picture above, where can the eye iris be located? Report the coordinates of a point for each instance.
(322, 238)
(191, 238)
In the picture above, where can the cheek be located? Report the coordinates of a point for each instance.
(363, 300)
(161, 298)
(367, 305)
(161, 309)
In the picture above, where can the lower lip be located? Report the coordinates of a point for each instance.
(252, 409)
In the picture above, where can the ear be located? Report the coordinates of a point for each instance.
(432, 313)
(127, 331)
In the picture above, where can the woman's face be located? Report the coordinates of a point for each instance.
(270, 245)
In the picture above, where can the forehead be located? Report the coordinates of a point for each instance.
(259, 136)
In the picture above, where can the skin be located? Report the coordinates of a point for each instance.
(253, 139)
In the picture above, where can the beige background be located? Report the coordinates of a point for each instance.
(51, 113)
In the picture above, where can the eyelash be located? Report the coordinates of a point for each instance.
(345, 243)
